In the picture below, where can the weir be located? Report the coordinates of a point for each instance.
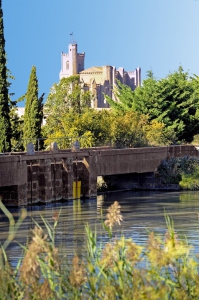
(48, 176)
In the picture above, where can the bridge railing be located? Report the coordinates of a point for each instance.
(64, 143)
(43, 144)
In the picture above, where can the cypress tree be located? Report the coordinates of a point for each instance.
(32, 115)
(5, 126)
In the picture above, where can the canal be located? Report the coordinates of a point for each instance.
(143, 211)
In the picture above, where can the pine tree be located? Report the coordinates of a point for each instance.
(32, 115)
(5, 126)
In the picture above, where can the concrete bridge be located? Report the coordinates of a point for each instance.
(48, 176)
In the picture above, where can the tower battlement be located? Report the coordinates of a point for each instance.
(72, 63)
(99, 81)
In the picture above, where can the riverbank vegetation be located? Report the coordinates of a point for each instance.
(163, 268)
(181, 170)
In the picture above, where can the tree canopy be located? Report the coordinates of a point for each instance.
(159, 112)
(5, 126)
(33, 110)
(95, 128)
(173, 101)
(66, 96)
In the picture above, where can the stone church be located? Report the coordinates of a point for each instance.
(97, 80)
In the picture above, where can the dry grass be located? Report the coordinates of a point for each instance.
(162, 269)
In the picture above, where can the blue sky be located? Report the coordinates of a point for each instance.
(153, 34)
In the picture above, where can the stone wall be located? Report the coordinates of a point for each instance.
(46, 177)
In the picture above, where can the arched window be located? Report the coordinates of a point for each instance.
(67, 65)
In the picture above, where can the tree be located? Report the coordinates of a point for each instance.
(5, 127)
(178, 104)
(17, 128)
(139, 100)
(65, 101)
(66, 96)
(91, 128)
(33, 110)
(173, 101)
(69, 118)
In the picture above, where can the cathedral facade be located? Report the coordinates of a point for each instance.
(98, 80)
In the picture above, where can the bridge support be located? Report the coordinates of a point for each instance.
(22, 190)
(92, 167)
(45, 180)
(67, 178)
(48, 176)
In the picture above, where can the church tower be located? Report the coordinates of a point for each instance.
(72, 51)
(72, 62)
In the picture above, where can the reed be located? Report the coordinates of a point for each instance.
(120, 269)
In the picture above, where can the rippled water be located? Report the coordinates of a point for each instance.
(142, 212)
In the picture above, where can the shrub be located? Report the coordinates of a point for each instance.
(190, 181)
(171, 170)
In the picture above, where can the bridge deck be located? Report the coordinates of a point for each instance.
(45, 176)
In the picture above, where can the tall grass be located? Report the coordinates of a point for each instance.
(121, 269)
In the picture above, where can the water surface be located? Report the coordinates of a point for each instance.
(142, 212)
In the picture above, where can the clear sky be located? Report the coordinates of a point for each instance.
(152, 34)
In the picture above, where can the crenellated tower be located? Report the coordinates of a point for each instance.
(72, 62)
(99, 80)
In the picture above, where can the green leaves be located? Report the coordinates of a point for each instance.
(173, 101)
(5, 127)
(33, 110)
(67, 96)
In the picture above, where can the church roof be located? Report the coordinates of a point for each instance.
(92, 70)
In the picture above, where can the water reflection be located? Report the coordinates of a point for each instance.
(142, 212)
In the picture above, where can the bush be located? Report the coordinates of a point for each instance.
(172, 170)
(190, 181)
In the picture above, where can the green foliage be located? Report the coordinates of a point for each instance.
(33, 110)
(127, 130)
(91, 128)
(95, 128)
(196, 140)
(179, 99)
(64, 107)
(9, 284)
(140, 118)
(125, 97)
(174, 169)
(17, 129)
(5, 127)
(163, 268)
(66, 96)
(69, 118)
(173, 101)
(190, 181)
